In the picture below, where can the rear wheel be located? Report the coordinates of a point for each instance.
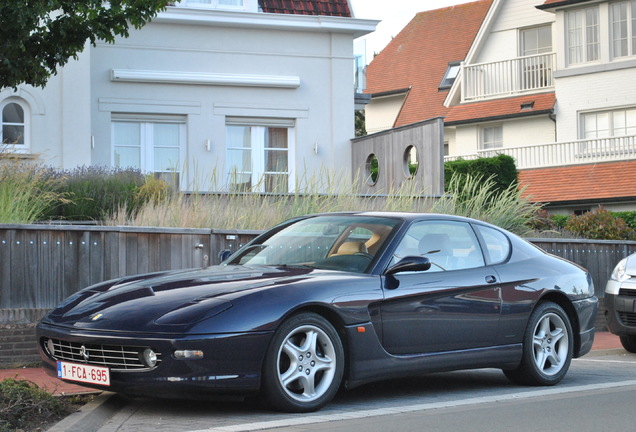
(547, 347)
(629, 343)
(304, 364)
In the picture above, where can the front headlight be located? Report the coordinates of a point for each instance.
(150, 358)
(620, 274)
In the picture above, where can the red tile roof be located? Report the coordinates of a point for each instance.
(519, 106)
(307, 7)
(419, 55)
(554, 3)
(580, 182)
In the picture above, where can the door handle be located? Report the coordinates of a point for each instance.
(491, 279)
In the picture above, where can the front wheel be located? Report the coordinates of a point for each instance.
(547, 347)
(629, 343)
(304, 364)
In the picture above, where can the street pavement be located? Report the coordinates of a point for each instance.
(109, 412)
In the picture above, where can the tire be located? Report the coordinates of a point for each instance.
(629, 343)
(304, 364)
(547, 347)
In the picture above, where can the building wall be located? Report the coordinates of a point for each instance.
(73, 124)
(603, 90)
(465, 139)
(502, 41)
(381, 112)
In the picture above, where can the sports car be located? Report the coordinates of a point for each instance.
(327, 301)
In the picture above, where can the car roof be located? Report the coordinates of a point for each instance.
(399, 215)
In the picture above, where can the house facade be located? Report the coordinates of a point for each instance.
(551, 84)
(212, 95)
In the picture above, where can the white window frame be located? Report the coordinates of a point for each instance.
(583, 38)
(147, 143)
(611, 129)
(16, 148)
(259, 128)
(523, 50)
(629, 36)
(490, 144)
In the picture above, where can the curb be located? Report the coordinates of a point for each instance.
(91, 416)
(605, 352)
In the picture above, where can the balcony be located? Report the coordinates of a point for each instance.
(507, 78)
(562, 154)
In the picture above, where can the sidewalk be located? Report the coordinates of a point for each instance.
(602, 341)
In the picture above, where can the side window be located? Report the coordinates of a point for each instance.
(449, 245)
(497, 244)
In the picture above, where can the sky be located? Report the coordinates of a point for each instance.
(395, 15)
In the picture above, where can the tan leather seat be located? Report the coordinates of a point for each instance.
(351, 248)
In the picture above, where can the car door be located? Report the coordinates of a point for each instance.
(454, 305)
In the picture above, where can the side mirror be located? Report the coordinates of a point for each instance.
(224, 254)
(410, 263)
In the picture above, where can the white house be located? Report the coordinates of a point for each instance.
(212, 94)
(551, 83)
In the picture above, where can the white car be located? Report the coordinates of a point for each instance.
(620, 300)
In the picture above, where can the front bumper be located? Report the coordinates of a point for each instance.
(621, 313)
(232, 363)
(586, 311)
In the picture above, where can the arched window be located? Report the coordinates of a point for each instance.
(14, 126)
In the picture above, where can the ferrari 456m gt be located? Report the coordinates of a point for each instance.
(327, 301)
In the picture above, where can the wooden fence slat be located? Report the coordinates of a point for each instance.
(6, 274)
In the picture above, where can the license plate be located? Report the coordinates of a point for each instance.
(83, 373)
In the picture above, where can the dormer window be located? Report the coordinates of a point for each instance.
(451, 74)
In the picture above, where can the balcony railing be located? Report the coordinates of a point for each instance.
(510, 77)
(563, 154)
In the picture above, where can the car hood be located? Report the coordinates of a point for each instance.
(167, 301)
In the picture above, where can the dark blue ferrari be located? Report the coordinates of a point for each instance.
(325, 301)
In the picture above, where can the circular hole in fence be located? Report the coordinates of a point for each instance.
(372, 168)
(411, 164)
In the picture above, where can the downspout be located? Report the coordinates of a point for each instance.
(552, 117)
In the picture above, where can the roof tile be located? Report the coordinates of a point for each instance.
(307, 7)
(580, 182)
(501, 107)
(554, 3)
(417, 58)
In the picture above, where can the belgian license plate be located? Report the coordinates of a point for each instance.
(83, 373)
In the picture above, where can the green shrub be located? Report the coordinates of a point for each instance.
(153, 190)
(474, 197)
(600, 224)
(560, 220)
(96, 192)
(25, 407)
(628, 216)
(542, 221)
(27, 191)
(501, 170)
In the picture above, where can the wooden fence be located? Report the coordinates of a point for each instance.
(40, 265)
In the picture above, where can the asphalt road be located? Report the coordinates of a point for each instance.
(597, 394)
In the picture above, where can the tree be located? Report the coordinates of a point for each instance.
(40, 35)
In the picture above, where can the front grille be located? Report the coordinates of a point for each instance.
(628, 318)
(627, 292)
(115, 357)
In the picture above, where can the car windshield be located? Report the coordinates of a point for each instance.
(345, 242)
